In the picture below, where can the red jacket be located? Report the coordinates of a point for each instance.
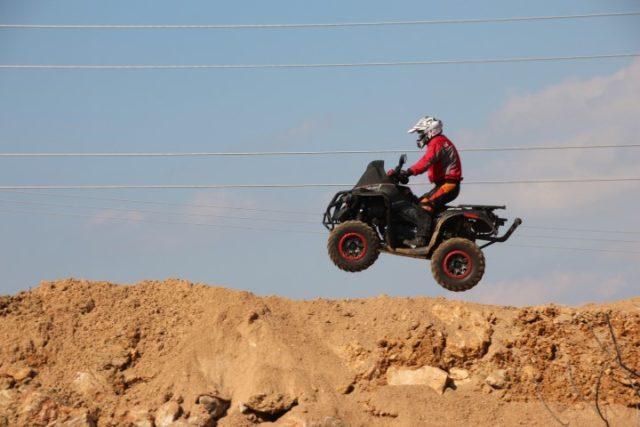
(441, 160)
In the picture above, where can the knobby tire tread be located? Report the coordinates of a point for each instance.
(373, 243)
(452, 284)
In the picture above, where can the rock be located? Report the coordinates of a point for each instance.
(497, 379)
(530, 373)
(120, 362)
(199, 417)
(529, 316)
(89, 385)
(214, 405)
(469, 332)
(37, 409)
(79, 418)
(87, 306)
(458, 374)
(435, 378)
(6, 382)
(131, 378)
(167, 414)
(345, 388)
(253, 316)
(184, 423)
(22, 374)
(7, 398)
(139, 417)
(237, 419)
(300, 421)
(272, 404)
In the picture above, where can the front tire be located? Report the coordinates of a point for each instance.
(353, 246)
(457, 264)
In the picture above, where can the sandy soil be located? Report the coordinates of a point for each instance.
(79, 353)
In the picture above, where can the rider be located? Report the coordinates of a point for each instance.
(442, 164)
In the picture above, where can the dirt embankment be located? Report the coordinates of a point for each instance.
(78, 353)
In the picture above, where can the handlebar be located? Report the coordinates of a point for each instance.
(397, 169)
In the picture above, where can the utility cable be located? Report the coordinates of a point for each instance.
(20, 211)
(163, 203)
(309, 153)
(589, 230)
(145, 211)
(590, 239)
(278, 211)
(291, 186)
(318, 65)
(622, 251)
(236, 227)
(286, 221)
(319, 25)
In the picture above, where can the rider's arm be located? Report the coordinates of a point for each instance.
(429, 158)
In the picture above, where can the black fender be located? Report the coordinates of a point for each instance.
(355, 195)
(482, 224)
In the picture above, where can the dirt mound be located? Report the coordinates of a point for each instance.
(78, 353)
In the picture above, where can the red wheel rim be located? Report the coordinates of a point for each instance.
(457, 264)
(352, 246)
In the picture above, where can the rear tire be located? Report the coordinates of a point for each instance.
(457, 264)
(353, 246)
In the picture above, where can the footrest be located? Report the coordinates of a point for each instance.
(414, 253)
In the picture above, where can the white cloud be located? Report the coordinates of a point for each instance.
(109, 216)
(566, 287)
(600, 110)
(215, 204)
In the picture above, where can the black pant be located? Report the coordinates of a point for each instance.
(441, 194)
(430, 203)
(414, 214)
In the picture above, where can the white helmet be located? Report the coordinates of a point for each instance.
(427, 127)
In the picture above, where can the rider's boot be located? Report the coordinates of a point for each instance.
(422, 232)
(416, 242)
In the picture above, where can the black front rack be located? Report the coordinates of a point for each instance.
(327, 218)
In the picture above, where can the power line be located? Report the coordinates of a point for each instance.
(309, 153)
(287, 221)
(580, 229)
(20, 211)
(291, 186)
(593, 239)
(235, 227)
(622, 251)
(552, 181)
(318, 65)
(279, 211)
(319, 25)
(259, 219)
(163, 203)
(145, 211)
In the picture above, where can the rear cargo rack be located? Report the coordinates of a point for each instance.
(487, 207)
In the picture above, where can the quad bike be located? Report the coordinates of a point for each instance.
(362, 224)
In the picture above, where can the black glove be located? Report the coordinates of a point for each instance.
(403, 176)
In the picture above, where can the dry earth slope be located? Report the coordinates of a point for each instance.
(79, 353)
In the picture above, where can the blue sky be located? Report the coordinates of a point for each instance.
(237, 110)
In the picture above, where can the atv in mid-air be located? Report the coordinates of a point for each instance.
(362, 225)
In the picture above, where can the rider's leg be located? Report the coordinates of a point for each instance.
(418, 217)
(442, 194)
(431, 203)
